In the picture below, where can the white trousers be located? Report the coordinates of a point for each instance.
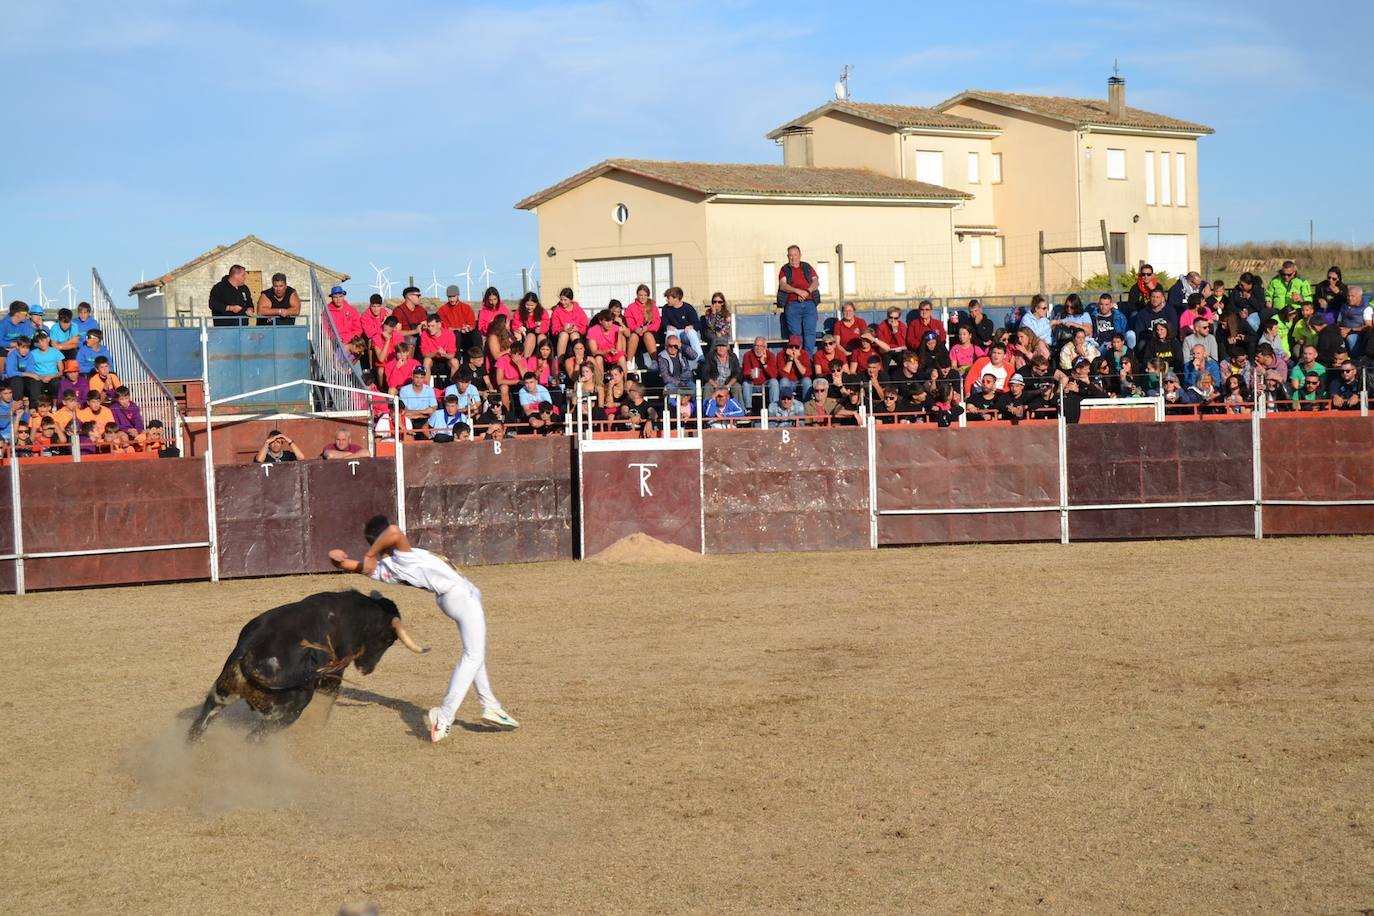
(463, 605)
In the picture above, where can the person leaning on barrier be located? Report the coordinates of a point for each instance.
(231, 301)
(443, 423)
(787, 410)
(820, 407)
(278, 448)
(760, 371)
(1344, 385)
(637, 413)
(278, 304)
(721, 368)
(986, 400)
(341, 448)
(799, 295)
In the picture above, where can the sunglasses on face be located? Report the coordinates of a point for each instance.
(1147, 273)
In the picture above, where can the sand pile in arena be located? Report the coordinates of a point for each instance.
(641, 548)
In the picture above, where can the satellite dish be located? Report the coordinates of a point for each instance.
(841, 90)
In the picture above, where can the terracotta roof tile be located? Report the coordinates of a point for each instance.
(1081, 112)
(898, 116)
(730, 178)
(220, 249)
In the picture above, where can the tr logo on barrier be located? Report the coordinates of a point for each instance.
(646, 471)
(353, 467)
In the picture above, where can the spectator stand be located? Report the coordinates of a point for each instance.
(146, 389)
(361, 395)
(331, 362)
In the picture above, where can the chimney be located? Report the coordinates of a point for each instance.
(1116, 95)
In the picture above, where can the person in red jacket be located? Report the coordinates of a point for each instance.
(642, 322)
(569, 321)
(458, 317)
(849, 326)
(830, 352)
(410, 313)
(794, 366)
(924, 321)
(892, 331)
(760, 367)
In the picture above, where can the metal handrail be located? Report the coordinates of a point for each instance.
(329, 357)
(147, 390)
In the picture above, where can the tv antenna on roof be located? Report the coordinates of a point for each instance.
(486, 275)
(842, 84)
(434, 288)
(466, 277)
(157, 291)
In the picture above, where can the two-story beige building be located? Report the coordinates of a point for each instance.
(949, 200)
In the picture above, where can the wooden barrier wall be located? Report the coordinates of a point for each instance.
(1318, 457)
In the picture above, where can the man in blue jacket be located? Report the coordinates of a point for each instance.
(1107, 321)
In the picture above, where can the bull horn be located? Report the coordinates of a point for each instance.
(404, 637)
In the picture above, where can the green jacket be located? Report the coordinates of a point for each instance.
(1279, 292)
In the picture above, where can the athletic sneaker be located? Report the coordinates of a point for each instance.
(438, 731)
(498, 717)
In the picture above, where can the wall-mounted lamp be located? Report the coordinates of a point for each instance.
(553, 252)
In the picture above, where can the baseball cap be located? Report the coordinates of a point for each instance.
(930, 335)
(338, 291)
(70, 365)
(452, 291)
(786, 392)
(418, 370)
(794, 340)
(1016, 379)
(1081, 361)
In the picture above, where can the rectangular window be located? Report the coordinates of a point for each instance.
(1116, 250)
(996, 168)
(770, 278)
(1116, 164)
(930, 166)
(975, 251)
(999, 251)
(972, 168)
(1150, 179)
(1165, 167)
(1181, 180)
(850, 278)
(823, 274)
(899, 277)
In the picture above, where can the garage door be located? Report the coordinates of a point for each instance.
(1168, 253)
(598, 282)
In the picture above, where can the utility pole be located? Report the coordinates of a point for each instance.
(1102, 247)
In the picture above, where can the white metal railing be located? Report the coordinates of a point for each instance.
(146, 389)
(329, 357)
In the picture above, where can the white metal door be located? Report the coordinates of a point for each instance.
(598, 282)
(1168, 253)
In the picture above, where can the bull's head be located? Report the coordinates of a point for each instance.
(376, 643)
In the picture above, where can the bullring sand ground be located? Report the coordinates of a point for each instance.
(1161, 727)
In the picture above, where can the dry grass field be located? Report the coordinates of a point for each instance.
(1160, 727)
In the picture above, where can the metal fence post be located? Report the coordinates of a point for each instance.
(17, 517)
(211, 515)
(399, 432)
(1258, 473)
(872, 431)
(1063, 477)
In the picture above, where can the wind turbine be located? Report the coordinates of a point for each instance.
(381, 285)
(3, 287)
(70, 291)
(43, 301)
(434, 288)
(388, 282)
(530, 273)
(466, 277)
(486, 275)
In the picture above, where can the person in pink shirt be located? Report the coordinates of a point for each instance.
(346, 317)
(491, 307)
(372, 318)
(507, 372)
(642, 322)
(397, 372)
(1197, 308)
(438, 344)
(605, 341)
(530, 323)
(965, 353)
(567, 316)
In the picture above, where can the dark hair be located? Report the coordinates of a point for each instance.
(374, 528)
(1151, 267)
(279, 276)
(122, 391)
(17, 306)
(101, 361)
(155, 424)
(615, 303)
(674, 292)
(23, 340)
(566, 292)
(410, 289)
(391, 321)
(524, 311)
(64, 314)
(375, 299)
(96, 333)
(528, 376)
(491, 291)
(1107, 296)
(432, 316)
(1340, 278)
(235, 268)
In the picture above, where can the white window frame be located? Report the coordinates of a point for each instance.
(996, 168)
(1116, 164)
(999, 251)
(851, 277)
(939, 164)
(823, 275)
(1181, 179)
(975, 251)
(1166, 198)
(770, 278)
(1150, 179)
(973, 168)
(899, 278)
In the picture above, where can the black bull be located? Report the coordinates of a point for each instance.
(284, 655)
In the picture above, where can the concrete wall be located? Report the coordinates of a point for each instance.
(663, 220)
(840, 140)
(190, 291)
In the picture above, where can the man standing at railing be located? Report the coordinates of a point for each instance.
(799, 295)
(346, 319)
(279, 304)
(231, 301)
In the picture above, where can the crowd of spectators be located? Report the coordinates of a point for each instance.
(499, 369)
(60, 390)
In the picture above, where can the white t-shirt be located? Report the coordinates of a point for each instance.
(419, 568)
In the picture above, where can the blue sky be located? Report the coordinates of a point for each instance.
(137, 135)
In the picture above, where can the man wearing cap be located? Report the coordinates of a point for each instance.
(277, 448)
(721, 369)
(794, 367)
(346, 319)
(1021, 402)
(417, 398)
(231, 301)
(458, 317)
(787, 410)
(278, 304)
(799, 295)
